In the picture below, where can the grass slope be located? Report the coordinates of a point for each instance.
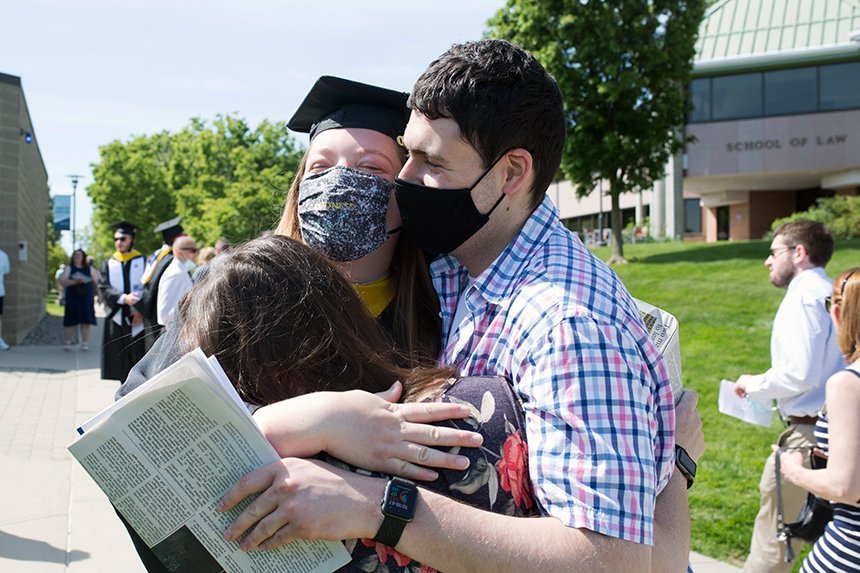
(725, 304)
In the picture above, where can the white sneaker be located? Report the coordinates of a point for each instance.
(3, 345)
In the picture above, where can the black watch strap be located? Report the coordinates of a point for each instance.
(685, 465)
(390, 531)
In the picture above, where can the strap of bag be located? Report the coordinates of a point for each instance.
(781, 533)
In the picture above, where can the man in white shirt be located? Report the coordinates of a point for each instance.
(176, 280)
(804, 354)
(4, 269)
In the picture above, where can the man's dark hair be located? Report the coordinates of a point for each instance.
(814, 236)
(501, 98)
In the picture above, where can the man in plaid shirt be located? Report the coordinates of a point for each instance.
(520, 297)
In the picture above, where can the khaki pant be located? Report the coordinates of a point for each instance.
(767, 555)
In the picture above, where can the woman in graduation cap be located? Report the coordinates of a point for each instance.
(350, 217)
(341, 203)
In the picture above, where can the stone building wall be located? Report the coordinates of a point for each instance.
(24, 211)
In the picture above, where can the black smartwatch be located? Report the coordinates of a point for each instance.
(685, 464)
(398, 509)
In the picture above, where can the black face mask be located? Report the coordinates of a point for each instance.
(440, 220)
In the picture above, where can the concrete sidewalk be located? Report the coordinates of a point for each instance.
(54, 518)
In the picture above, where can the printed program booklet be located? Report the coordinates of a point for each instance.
(663, 328)
(167, 452)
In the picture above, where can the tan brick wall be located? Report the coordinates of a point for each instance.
(23, 214)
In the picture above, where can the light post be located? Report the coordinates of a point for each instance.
(75, 179)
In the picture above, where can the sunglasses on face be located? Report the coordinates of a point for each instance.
(120, 239)
(189, 249)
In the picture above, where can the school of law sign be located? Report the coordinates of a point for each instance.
(820, 142)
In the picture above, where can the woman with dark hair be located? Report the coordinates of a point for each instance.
(287, 328)
(78, 280)
(837, 434)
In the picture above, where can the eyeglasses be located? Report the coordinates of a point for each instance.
(120, 239)
(828, 301)
(189, 249)
(775, 252)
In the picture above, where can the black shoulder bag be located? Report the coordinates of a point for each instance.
(814, 515)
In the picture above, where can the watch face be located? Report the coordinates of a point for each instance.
(685, 461)
(400, 501)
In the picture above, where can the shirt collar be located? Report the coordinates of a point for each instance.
(495, 284)
(805, 275)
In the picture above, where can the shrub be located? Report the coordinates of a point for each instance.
(841, 214)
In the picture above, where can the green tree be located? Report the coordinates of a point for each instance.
(623, 67)
(224, 179)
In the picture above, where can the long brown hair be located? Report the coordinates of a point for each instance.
(416, 328)
(846, 293)
(283, 322)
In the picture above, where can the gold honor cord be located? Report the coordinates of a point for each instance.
(157, 260)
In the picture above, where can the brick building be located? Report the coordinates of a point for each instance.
(24, 210)
(775, 121)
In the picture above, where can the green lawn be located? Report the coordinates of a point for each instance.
(725, 304)
(52, 305)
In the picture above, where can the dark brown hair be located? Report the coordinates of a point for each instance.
(501, 98)
(86, 263)
(814, 237)
(283, 322)
(416, 327)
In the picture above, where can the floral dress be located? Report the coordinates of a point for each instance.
(497, 478)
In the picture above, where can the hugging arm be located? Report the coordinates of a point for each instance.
(311, 500)
(369, 431)
(305, 499)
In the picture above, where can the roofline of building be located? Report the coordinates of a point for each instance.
(16, 81)
(818, 54)
(10, 79)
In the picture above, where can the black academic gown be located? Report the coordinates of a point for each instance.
(120, 351)
(149, 300)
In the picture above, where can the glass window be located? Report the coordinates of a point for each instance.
(736, 97)
(700, 99)
(790, 91)
(692, 216)
(840, 86)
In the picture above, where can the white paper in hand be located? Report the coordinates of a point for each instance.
(745, 409)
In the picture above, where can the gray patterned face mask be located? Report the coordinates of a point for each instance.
(342, 212)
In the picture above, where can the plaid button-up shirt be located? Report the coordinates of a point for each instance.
(599, 411)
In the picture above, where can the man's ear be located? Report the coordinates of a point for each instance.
(800, 255)
(519, 171)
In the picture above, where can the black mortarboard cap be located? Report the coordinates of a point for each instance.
(125, 228)
(171, 225)
(336, 103)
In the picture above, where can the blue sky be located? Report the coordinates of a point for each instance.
(94, 71)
